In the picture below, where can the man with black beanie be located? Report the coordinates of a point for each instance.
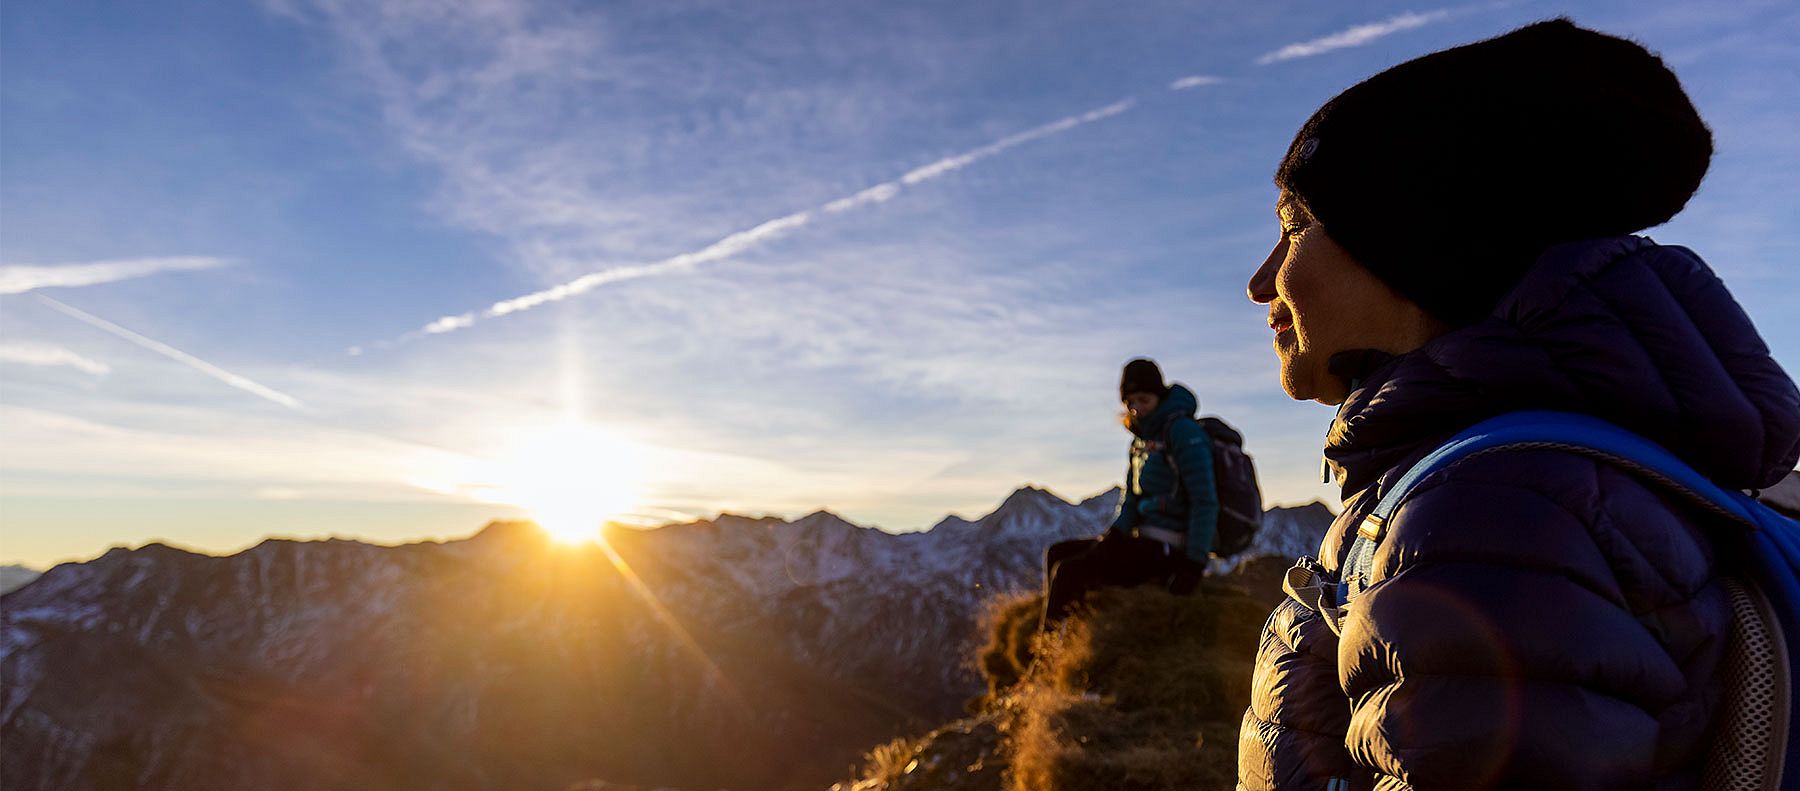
(1448, 175)
(1456, 244)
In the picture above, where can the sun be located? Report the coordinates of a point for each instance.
(570, 477)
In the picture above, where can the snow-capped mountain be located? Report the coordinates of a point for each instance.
(1285, 533)
(730, 653)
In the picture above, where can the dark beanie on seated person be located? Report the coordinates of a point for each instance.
(1446, 176)
(1142, 376)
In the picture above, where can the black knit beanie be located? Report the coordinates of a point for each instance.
(1142, 376)
(1448, 175)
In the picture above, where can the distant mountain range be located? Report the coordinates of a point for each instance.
(734, 653)
(12, 577)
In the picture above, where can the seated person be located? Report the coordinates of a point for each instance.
(1167, 520)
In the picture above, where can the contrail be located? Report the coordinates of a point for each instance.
(1354, 37)
(20, 278)
(1195, 81)
(752, 237)
(724, 248)
(178, 355)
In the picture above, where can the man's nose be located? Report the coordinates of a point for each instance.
(1261, 288)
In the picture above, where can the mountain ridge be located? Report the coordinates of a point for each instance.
(788, 646)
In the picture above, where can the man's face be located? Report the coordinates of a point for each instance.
(1321, 302)
(1140, 405)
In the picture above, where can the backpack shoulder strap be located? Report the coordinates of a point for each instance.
(1580, 434)
(1772, 564)
(1168, 454)
(1168, 445)
(1546, 430)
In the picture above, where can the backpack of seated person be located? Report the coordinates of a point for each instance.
(1757, 743)
(1234, 478)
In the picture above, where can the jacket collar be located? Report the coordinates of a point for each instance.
(1620, 328)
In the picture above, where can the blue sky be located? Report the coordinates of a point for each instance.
(882, 258)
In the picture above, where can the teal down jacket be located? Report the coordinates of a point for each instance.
(1151, 495)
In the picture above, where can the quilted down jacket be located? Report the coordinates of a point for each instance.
(1536, 619)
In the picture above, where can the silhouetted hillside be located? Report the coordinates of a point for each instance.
(1143, 691)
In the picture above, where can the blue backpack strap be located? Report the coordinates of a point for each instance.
(1561, 431)
(1167, 438)
(1773, 540)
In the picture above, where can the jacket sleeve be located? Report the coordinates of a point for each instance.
(1191, 447)
(1128, 515)
(1525, 626)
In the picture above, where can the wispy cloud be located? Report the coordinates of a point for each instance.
(688, 138)
(159, 450)
(1195, 81)
(177, 355)
(481, 92)
(1355, 36)
(20, 278)
(44, 354)
(744, 240)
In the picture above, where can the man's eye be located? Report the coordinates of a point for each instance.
(1291, 230)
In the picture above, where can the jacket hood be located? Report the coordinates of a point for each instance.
(1179, 402)
(1623, 329)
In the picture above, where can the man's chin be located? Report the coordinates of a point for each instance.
(1293, 390)
(1327, 390)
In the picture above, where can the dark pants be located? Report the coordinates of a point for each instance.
(1073, 568)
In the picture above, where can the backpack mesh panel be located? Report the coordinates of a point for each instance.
(1743, 757)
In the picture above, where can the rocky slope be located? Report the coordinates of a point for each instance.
(732, 653)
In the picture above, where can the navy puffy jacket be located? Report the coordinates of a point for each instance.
(1537, 619)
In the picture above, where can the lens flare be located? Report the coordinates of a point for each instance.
(571, 478)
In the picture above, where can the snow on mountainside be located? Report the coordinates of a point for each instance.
(733, 653)
(1285, 533)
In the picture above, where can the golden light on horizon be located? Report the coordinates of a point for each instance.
(570, 477)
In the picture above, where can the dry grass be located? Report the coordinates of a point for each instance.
(1140, 690)
(1011, 623)
(961, 756)
(892, 759)
(1145, 691)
